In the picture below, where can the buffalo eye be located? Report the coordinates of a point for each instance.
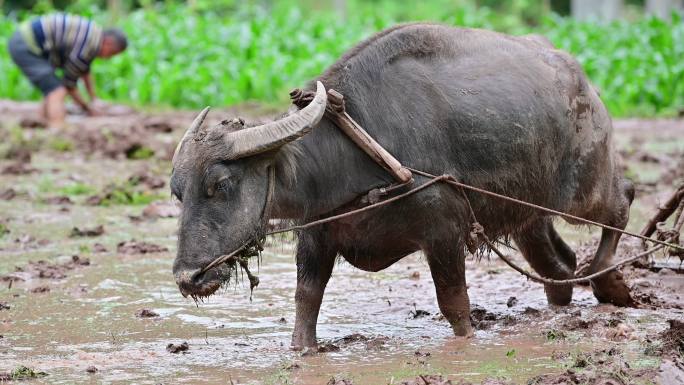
(223, 184)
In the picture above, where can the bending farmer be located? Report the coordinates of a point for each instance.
(71, 43)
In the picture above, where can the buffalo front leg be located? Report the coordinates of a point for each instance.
(447, 266)
(314, 266)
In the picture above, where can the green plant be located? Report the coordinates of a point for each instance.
(229, 52)
(555, 334)
(76, 188)
(140, 153)
(25, 373)
(3, 230)
(126, 193)
(61, 144)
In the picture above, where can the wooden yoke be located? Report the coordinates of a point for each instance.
(336, 112)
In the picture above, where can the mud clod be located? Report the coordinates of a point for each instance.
(8, 194)
(327, 348)
(428, 379)
(40, 289)
(512, 301)
(352, 338)
(161, 210)
(92, 369)
(673, 339)
(146, 313)
(339, 381)
(147, 179)
(177, 348)
(46, 270)
(135, 247)
(58, 200)
(418, 313)
(32, 122)
(87, 232)
(18, 168)
(531, 311)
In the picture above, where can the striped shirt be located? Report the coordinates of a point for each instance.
(69, 42)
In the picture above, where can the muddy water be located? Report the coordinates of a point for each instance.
(89, 317)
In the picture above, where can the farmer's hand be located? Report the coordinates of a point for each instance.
(94, 111)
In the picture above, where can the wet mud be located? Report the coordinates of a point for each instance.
(87, 239)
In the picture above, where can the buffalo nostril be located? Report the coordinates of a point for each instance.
(197, 276)
(187, 280)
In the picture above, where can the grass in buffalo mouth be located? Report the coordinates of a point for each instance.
(229, 268)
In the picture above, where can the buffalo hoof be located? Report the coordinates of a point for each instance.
(462, 329)
(299, 347)
(558, 295)
(611, 288)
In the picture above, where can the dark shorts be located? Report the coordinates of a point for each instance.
(36, 68)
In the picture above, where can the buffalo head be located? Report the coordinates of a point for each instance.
(220, 174)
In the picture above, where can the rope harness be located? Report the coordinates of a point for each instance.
(335, 111)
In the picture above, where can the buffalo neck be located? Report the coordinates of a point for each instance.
(330, 171)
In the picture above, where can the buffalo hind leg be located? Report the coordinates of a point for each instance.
(447, 266)
(549, 256)
(315, 261)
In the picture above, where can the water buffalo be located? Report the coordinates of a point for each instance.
(509, 114)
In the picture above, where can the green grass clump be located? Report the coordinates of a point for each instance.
(76, 188)
(555, 335)
(25, 373)
(140, 153)
(61, 145)
(3, 230)
(126, 193)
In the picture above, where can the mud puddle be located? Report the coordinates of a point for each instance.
(112, 320)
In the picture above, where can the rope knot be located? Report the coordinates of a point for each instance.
(475, 235)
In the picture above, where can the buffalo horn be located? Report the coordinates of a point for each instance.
(196, 124)
(270, 136)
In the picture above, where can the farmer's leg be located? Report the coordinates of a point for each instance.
(54, 107)
(315, 260)
(42, 75)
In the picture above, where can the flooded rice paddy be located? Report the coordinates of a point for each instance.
(109, 314)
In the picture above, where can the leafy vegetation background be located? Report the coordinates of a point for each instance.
(201, 52)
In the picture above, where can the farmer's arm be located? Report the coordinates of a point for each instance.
(71, 83)
(90, 86)
(76, 95)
